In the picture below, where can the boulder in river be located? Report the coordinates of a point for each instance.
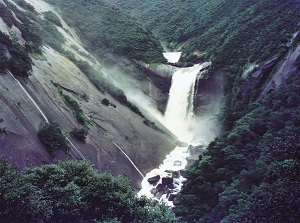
(171, 186)
(160, 194)
(154, 191)
(172, 197)
(195, 149)
(154, 180)
(177, 163)
(175, 174)
(167, 181)
(160, 187)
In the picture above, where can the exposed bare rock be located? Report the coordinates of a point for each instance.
(154, 191)
(183, 144)
(154, 180)
(284, 72)
(183, 64)
(167, 181)
(209, 90)
(175, 174)
(165, 70)
(160, 187)
(171, 197)
(21, 122)
(145, 146)
(253, 77)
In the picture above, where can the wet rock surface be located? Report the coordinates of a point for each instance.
(154, 180)
(167, 181)
(166, 184)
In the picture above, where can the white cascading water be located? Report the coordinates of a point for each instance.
(179, 119)
(179, 112)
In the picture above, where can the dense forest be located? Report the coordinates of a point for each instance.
(72, 192)
(229, 33)
(251, 173)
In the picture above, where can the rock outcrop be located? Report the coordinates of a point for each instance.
(254, 77)
(286, 69)
(264, 78)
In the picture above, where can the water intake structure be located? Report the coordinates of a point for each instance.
(166, 181)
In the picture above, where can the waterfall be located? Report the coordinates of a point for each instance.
(179, 115)
(172, 57)
(180, 120)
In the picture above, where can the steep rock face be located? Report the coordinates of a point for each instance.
(158, 83)
(255, 76)
(264, 78)
(208, 94)
(284, 72)
(145, 146)
(110, 127)
(21, 121)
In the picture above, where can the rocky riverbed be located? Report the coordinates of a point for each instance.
(164, 183)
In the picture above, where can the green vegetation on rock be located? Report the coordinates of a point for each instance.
(77, 111)
(228, 33)
(106, 29)
(14, 57)
(52, 138)
(105, 102)
(51, 17)
(35, 32)
(79, 134)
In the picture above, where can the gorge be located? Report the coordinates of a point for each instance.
(179, 118)
(94, 114)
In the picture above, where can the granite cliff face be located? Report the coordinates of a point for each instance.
(110, 127)
(261, 79)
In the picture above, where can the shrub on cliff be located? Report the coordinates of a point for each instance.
(53, 138)
(79, 134)
(50, 16)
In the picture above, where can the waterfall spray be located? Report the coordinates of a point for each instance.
(180, 120)
(179, 115)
